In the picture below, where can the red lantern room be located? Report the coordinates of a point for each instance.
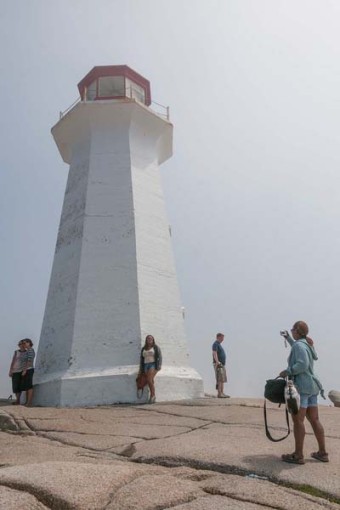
(114, 82)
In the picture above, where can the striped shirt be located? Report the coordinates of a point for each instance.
(30, 355)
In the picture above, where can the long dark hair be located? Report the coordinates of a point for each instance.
(146, 341)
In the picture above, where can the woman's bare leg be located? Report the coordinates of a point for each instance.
(313, 418)
(299, 431)
(150, 376)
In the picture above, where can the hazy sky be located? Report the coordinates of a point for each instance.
(252, 191)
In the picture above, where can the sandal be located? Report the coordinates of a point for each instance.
(322, 457)
(292, 458)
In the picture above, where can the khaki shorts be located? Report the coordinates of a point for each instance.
(220, 373)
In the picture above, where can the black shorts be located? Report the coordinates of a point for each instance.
(16, 382)
(27, 380)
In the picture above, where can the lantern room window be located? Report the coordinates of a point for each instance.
(91, 91)
(115, 86)
(111, 86)
(134, 91)
(114, 82)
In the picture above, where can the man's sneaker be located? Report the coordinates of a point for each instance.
(223, 396)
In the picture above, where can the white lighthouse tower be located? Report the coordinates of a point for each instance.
(113, 279)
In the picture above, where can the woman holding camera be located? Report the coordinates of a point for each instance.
(301, 370)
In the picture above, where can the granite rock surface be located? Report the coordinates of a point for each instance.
(191, 455)
(334, 396)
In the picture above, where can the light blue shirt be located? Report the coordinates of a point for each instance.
(301, 367)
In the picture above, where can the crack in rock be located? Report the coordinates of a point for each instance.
(51, 502)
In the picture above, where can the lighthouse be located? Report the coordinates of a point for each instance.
(113, 278)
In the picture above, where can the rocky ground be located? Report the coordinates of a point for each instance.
(203, 454)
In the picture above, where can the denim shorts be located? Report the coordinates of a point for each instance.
(308, 400)
(149, 366)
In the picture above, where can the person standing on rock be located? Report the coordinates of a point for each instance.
(219, 359)
(301, 370)
(28, 371)
(150, 364)
(16, 368)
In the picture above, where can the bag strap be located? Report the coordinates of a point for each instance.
(268, 434)
(140, 393)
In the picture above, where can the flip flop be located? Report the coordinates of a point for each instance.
(291, 458)
(322, 457)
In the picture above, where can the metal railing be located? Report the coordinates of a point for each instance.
(159, 109)
(62, 114)
(165, 110)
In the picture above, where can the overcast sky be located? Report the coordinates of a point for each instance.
(252, 190)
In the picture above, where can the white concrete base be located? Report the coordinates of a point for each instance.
(115, 386)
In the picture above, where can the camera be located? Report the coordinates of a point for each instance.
(284, 332)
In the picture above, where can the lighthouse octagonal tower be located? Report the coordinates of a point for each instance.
(113, 279)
